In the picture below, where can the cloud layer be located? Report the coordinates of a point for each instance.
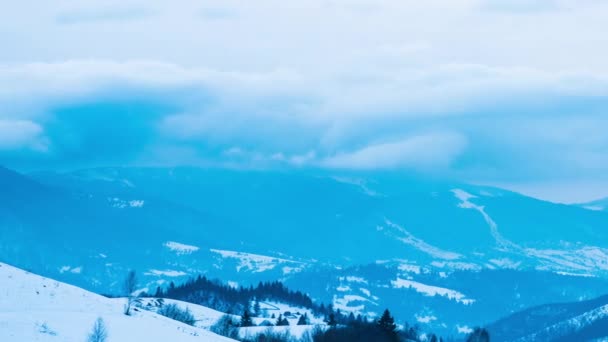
(482, 90)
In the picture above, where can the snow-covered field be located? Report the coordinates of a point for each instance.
(429, 290)
(34, 308)
(260, 263)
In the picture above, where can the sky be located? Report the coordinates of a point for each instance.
(511, 93)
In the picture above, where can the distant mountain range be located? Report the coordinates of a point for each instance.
(447, 254)
(575, 321)
(599, 205)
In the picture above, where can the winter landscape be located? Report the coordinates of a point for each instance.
(318, 171)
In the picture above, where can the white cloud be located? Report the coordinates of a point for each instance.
(17, 134)
(309, 96)
(423, 151)
(339, 83)
(101, 15)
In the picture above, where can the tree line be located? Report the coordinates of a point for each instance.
(244, 301)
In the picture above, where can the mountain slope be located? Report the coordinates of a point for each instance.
(598, 205)
(33, 308)
(437, 247)
(575, 321)
(393, 215)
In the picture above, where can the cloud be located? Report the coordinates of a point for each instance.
(418, 152)
(476, 89)
(521, 6)
(20, 134)
(535, 6)
(107, 112)
(102, 15)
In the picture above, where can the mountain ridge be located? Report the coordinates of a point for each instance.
(431, 240)
(571, 321)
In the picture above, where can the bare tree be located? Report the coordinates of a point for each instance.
(129, 288)
(99, 332)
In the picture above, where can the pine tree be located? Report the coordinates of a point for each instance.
(303, 320)
(387, 322)
(331, 320)
(246, 320)
(479, 335)
(351, 318)
(256, 308)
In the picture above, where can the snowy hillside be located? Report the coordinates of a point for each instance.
(206, 317)
(574, 321)
(33, 308)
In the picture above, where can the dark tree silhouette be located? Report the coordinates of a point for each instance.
(387, 322)
(282, 321)
(256, 308)
(331, 320)
(246, 320)
(479, 335)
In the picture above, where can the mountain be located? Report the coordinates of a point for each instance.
(599, 205)
(33, 308)
(392, 214)
(447, 254)
(575, 321)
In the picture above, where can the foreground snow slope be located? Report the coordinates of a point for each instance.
(33, 308)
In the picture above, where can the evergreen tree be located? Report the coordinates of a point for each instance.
(331, 320)
(246, 320)
(387, 322)
(281, 321)
(479, 335)
(303, 320)
(256, 309)
(351, 318)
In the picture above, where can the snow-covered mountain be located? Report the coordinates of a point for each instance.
(575, 321)
(34, 308)
(438, 248)
(395, 216)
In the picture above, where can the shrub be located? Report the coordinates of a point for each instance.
(225, 326)
(272, 336)
(175, 312)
